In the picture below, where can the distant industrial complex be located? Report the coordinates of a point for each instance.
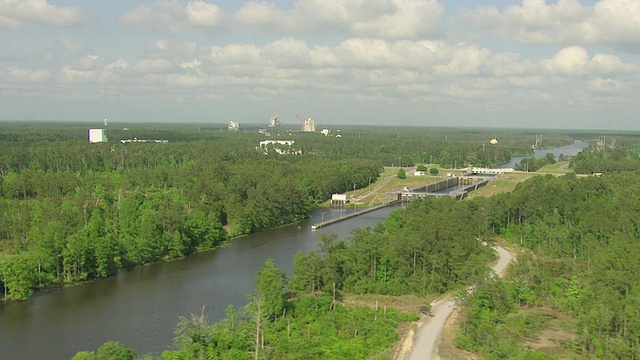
(307, 125)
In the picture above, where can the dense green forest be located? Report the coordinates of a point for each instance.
(72, 211)
(428, 249)
(607, 159)
(580, 266)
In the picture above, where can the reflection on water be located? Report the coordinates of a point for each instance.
(140, 307)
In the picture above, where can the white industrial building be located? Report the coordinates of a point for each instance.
(279, 146)
(97, 135)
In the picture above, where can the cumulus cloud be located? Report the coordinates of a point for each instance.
(194, 64)
(608, 22)
(70, 45)
(568, 61)
(167, 15)
(17, 13)
(172, 16)
(89, 62)
(359, 69)
(99, 72)
(201, 13)
(357, 62)
(606, 86)
(261, 15)
(575, 60)
(386, 19)
(152, 66)
(16, 75)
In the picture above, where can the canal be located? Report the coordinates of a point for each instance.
(141, 307)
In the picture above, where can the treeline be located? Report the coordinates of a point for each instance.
(605, 159)
(583, 237)
(532, 164)
(430, 247)
(411, 149)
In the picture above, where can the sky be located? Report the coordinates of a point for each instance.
(569, 64)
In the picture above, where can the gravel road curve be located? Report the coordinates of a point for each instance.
(430, 331)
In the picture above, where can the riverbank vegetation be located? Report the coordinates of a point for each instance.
(427, 248)
(73, 211)
(572, 293)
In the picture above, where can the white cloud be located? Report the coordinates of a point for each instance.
(509, 64)
(568, 61)
(152, 66)
(201, 13)
(260, 14)
(14, 75)
(105, 74)
(173, 49)
(164, 15)
(89, 62)
(606, 86)
(575, 61)
(608, 22)
(373, 72)
(464, 60)
(194, 64)
(17, 13)
(172, 16)
(611, 64)
(386, 19)
(356, 65)
(403, 19)
(616, 22)
(162, 45)
(70, 45)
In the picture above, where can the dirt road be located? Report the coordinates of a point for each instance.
(431, 327)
